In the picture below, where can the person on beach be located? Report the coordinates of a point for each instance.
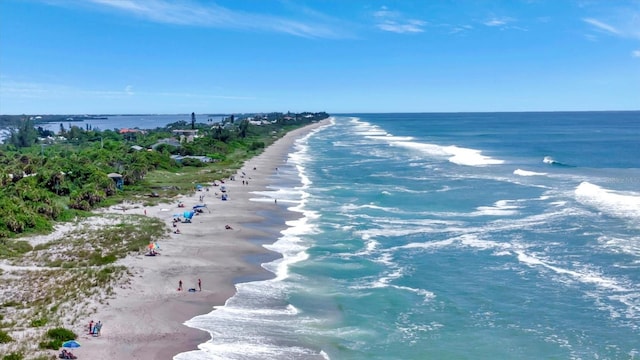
(179, 285)
(199, 285)
(91, 327)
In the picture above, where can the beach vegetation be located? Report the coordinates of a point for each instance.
(13, 356)
(39, 322)
(55, 338)
(5, 337)
(62, 334)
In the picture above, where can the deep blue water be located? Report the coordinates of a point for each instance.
(450, 236)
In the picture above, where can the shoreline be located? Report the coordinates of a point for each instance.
(145, 319)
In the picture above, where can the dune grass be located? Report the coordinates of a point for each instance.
(61, 282)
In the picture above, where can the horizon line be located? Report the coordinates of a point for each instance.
(330, 113)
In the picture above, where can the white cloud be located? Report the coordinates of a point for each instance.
(602, 26)
(635, 53)
(211, 15)
(394, 21)
(128, 90)
(497, 22)
(385, 13)
(503, 23)
(412, 26)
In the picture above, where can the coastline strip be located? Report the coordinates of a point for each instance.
(146, 318)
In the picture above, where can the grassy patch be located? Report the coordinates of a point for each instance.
(4, 337)
(13, 248)
(39, 322)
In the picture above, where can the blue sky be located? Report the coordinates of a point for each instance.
(183, 56)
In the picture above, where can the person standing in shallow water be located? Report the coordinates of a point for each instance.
(199, 285)
(180, 285)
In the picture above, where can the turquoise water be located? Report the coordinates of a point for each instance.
(449, 236)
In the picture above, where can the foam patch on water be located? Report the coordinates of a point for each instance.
(615, 203)
(500, 208)
(584, 275)
(527, 173)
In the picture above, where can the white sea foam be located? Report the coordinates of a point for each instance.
(500, 208)
(428, 295)
(614, 203)
(471, 157)
(527, 173)
(354, 207)
(427, 245)
(584, 275)
(455, 154)
(624, 245)
(245, 350)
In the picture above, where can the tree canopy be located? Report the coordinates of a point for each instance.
(45, 178)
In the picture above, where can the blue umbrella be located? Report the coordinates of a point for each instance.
(71, 344)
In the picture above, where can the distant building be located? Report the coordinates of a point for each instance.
(131, 131)
(204, 159)
(186, 135)
(168, 141)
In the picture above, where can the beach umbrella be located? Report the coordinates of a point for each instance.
(71, 344)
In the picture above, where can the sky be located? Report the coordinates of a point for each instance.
(339, 56)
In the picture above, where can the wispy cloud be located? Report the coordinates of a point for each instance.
(188, 13)
(503, 23)
(621, 19)
(33, 90)
(394, 21)
(496, 21)
(635, 53)
(599, 25)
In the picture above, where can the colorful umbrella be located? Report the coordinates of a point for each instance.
(71, 344)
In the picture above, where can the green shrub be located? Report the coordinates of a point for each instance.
(11, 303)
(61, 334)
(13, 356)
(51, 344)
(39, 322)
(256, 145)
(104, 275)
(97, 259)
(4, 337)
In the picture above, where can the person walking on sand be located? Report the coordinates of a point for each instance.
(199, 285)
(180, 285)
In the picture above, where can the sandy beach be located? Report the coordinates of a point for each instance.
(145, 318)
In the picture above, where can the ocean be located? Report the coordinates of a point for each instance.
(449, 236)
